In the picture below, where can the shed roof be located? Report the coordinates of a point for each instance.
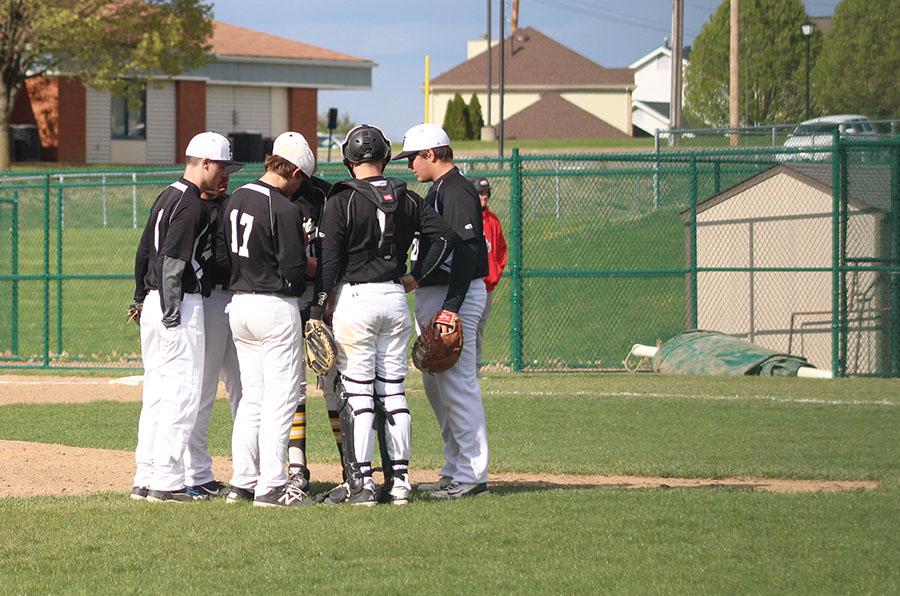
(868, 185)
(534, 60)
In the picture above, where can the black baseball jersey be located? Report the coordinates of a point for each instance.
(454, 198)
(355, 228)
(178, 227)
(311, 200)
(264, 240)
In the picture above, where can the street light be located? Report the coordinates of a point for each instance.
(807, 29)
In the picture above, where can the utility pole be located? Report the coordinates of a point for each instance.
(733, 92)
(490, 63)
(514, 23)
(677, 50)
(502, 74)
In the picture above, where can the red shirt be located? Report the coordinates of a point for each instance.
(496, 247)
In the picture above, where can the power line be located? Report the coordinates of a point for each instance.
(595, 13)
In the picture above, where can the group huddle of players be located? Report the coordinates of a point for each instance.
(224, 285)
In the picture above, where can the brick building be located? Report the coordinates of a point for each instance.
(258, 83)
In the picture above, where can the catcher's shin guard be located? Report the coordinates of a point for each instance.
(356, 415)
(394, 425)
(329, 385)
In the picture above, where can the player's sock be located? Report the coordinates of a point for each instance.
(297, 441)
(335, 419)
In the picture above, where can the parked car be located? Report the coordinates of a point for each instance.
(336, 139)
(818, 132)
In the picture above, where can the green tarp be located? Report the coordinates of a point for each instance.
(713, 353)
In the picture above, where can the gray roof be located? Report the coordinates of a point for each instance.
(866, 183)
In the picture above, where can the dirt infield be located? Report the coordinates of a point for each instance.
(33, 469)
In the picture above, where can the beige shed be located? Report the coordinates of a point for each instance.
(781, 219)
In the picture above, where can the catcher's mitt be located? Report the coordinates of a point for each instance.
(321, 350)
(438, 348)
(134, 312)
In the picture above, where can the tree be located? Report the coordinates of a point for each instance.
(772, 60)
(476, 120)
(857, 70)
(456, 120)
(113, 46)
(344, 123)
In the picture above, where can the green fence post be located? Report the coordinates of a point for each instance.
(835, 251)
(14, 323)
(515, 295)
(59, 268)
(895, 261)
(694, 318)
(46, 271)
(844, 316)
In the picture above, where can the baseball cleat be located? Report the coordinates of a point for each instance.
(397, 493)
(428, 487)
(336, 496)
(139, 493)
(281, 496)
(458, 490)
(364, 498)
(173, 496)
(213, 488)
(237, 494)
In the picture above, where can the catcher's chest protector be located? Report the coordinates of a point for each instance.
(385, 195)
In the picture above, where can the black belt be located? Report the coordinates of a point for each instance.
(396, 280)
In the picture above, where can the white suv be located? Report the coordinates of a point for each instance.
(817, 133)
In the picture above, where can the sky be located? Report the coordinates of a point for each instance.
(397, 34)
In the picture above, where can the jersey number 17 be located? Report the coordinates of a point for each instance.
(247, 223)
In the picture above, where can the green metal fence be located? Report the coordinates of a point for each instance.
(605, 251)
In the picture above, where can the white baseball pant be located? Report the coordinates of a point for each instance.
(267, 335)
(455, 394)
(482, 323)
(173, 372)
(220, 360)
(372, 328)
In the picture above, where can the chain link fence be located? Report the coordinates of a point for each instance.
(771, 245)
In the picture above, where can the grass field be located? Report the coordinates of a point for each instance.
(520, 538)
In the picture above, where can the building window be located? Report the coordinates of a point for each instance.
(129, 121)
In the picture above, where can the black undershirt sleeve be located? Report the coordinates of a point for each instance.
(330, 271)
(170, 290)
(462, 269)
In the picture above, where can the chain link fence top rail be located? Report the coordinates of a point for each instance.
(605, 251)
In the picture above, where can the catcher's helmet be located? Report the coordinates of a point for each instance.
(365, 143)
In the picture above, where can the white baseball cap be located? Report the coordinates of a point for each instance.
(212, 145)
(421, 137)
(293, 147)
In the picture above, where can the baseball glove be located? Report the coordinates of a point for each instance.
(438, 348)
(321, 350)
(134, 312)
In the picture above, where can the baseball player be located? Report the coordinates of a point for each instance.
(367, 229)
(221, 355)
(311, 200)
(454, 394)
(169, 281)
(496, 257)
(265, 242)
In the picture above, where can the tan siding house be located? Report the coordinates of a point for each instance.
(546, 83)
